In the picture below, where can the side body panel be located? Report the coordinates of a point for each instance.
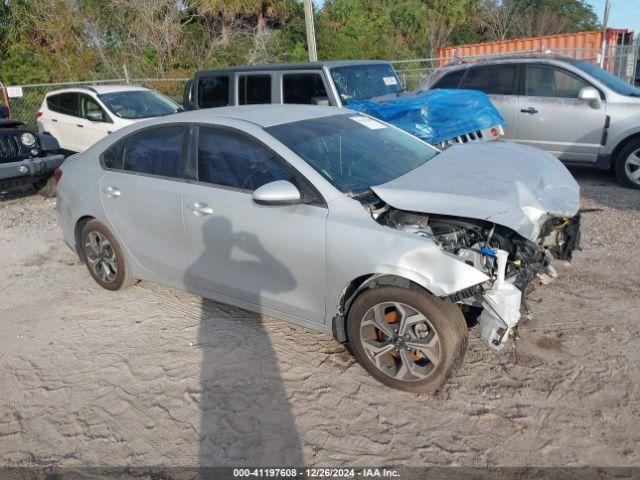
(554, 127)
(358, 246)
(624, 123)
(268, 256)
(146, 213)
(507, 105)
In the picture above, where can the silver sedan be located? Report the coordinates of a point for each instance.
(328, 219)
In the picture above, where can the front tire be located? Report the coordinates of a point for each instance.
(103, 256)
(627, 165)
(406, 338)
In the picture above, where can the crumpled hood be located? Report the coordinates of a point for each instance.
(512, 185)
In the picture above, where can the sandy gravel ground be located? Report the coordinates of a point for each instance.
(154, 376)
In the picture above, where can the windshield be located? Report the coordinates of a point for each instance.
(361, 82)
(136, 104)
(353, 152)
(614, 83)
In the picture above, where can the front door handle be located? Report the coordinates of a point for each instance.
(112, 192)
(200, 209)
(530, 110)
(78, 125)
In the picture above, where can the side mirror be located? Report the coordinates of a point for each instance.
(95, 116)
(279, 192)
(591, 95)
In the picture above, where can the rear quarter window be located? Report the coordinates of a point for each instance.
(213, 91)
(65, 103)
(492, 79)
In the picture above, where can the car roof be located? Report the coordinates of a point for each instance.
(99, 89)
(293, 66)
(515, 58)
(266, 115)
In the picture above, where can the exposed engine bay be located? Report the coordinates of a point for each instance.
(508, 259)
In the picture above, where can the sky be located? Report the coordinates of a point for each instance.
(624, 13)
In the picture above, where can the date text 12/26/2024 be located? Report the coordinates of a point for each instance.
(315, 473)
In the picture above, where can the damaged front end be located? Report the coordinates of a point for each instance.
(509, 260)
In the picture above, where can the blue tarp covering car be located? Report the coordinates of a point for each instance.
(433, 115)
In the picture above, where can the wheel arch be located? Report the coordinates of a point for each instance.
(80, 223)
(356, 287)
(621, 145)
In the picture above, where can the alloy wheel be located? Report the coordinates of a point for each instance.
(400, 341)
(101, 256)
(632, 166)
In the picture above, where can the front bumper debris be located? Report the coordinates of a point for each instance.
(30, 167)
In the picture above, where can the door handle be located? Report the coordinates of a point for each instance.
(112, 192)
(78, 125)
(530, 110)
(54, 119)
(200, 209)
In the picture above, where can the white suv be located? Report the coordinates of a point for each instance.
(80, 116)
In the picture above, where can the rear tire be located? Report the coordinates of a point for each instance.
(421, 343)
(627, 166)
(46, 188)
(103, 256)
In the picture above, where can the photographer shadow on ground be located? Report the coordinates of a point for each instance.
(246, 419)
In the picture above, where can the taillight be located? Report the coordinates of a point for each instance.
(494, 132)
(57, 174)
(39, 114)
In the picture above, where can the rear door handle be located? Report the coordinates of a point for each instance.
(112, 192)
(78, 125)
(530, 110)
(54, 119)
(200, 209)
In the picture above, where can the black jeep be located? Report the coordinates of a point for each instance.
(26, 157)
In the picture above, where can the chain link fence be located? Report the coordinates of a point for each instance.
(25, 100)
(620, 60)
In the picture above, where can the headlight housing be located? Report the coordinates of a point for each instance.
(28, 139)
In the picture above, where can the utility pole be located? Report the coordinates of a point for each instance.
(605, 21)
(311, 32)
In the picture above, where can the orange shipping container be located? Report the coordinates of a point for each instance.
(580, 45)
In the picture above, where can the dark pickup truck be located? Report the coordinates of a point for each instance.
(441, 118)
(27, 158)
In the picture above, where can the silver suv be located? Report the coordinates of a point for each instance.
(578, 112)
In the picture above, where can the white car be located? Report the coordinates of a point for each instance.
(80, 116)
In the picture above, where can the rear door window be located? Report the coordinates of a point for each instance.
(452, 80)
(65, 103)
(492, 79)
(155, 151)
(302, 88)
(545, 81)
(254, 89)
(213, 91)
